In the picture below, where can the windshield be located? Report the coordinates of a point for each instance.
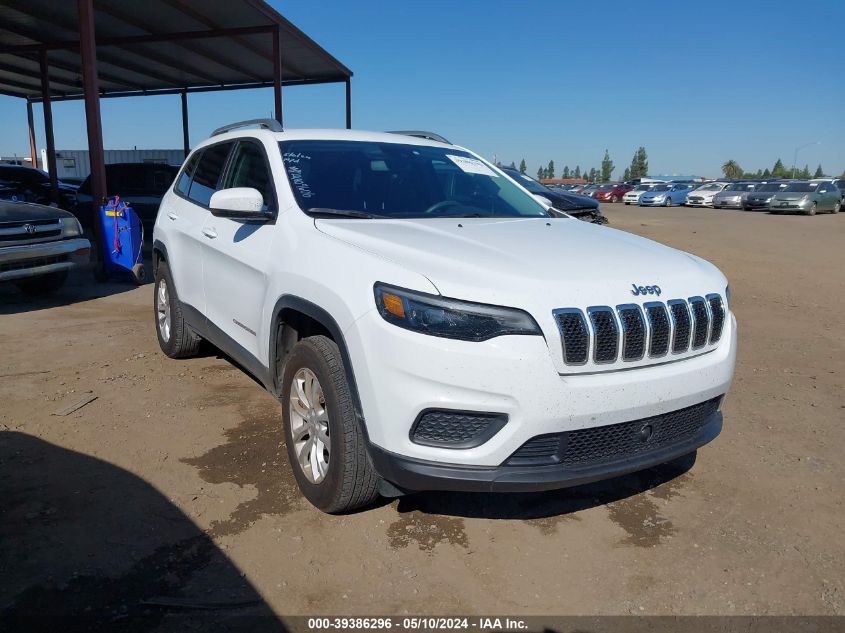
(606, 188)
(393, 180)
(739, 186)
(661, 188)
(527, 181)
(802, 186)
(710, 187)
(643, 187)
(770, 186)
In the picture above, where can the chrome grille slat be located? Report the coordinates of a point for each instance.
(633, 332)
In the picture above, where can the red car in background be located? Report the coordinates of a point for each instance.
(611, 192)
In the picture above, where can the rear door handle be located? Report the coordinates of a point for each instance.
(209, 232)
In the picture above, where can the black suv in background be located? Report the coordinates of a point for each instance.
(141, 185)
(27, 184)
(578, 206)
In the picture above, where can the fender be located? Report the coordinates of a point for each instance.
(327, 320)
(158, 245)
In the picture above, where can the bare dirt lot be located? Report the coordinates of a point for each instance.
(171, 489)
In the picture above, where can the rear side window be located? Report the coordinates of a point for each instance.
(184, 183)
(206, 177)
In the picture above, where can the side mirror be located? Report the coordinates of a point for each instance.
(542, 200)
(238, 203)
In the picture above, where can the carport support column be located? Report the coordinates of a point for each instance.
(88, 52)
(186, 144)
(277, 75)
(348, 103)
(33, 150)
(48, 126)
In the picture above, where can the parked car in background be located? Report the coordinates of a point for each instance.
(758, 200)
(581, 207)
(703, 195)
(141, 185)
(27, 184)
(733, 196)
(807, 197)
(611, 192)
(665, 195)
(633, 196)
(588, 190)
(840, 184)
(38, 246)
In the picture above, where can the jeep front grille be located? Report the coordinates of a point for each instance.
(631, 332)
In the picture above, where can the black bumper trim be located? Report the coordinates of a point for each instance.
(411, 474)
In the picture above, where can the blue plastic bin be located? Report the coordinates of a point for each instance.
(123, 237)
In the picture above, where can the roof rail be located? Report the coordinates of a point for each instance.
(430, 136)
(268, 124)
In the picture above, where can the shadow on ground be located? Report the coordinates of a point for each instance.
(553, 503)
(88, 546)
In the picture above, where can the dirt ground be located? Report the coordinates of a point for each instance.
(171, 489)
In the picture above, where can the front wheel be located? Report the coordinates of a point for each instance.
(813, 209)
(668, 202)
(175, 337)
(837, 207)
(325, 444)
(614, 199)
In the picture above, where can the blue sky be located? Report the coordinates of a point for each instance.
(695, 83)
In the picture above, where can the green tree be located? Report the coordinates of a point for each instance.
(805, 173)
(606, 167)
(767, 173)
(626, 176)
(732, 170)
(819, 172)
(577, 173)
(779, 171)
(592, 177)
(522, 167)
(566, 171)
(639, 164)
(541, 173)
(550, 170)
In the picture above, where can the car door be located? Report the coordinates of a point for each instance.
(236, 254)
(184, 216)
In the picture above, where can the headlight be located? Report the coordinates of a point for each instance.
(70, 227)
(658, 198)
(450, 318)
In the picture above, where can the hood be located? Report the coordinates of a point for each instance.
(654, 194)
(567, 201)
(791, 195)
(536, 264)
(27, 211)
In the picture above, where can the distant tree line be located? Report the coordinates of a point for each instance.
(604, 173)
(732, 170)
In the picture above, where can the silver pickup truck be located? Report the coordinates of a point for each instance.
(38, 246)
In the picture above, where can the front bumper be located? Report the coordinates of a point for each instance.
(407, 373)
(32, 260)
(651, 202)
(409, 474)
(730, 203)
(699, 203)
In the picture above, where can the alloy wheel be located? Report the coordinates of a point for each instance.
(163, 310)
(309, 425)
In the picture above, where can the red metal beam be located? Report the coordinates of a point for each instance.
(128, 40)
(348, 103)
(277, 75)
(186, 144)
(88, 51)
(48, 127)
(33, 150)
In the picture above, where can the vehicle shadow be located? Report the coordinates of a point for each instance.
(80, 286)
(88, 546)
(541, 505)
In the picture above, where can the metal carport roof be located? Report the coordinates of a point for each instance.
(157, 46)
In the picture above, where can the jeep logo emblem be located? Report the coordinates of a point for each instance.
(29, 228)
(645, 290)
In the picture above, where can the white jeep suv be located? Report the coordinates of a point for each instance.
(426, 324)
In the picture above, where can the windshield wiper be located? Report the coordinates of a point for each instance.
(341, 213)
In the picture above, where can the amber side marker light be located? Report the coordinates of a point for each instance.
(393, 304)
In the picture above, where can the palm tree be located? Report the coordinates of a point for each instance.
(732, 170)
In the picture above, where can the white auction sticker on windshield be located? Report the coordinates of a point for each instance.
(472, 165)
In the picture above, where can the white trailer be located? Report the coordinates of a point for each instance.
(74, 163)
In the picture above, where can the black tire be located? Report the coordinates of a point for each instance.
(350, 482)
(668, 202)
(139, 274)
(836, 207)
(812, 210)
(182, 341)
(43, 284)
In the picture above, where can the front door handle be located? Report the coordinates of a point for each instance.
(209, 232)
(173, 216)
